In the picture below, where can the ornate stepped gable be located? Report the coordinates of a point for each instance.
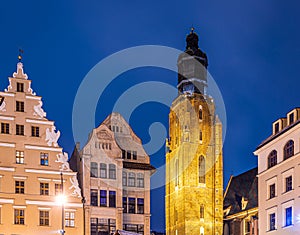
(30, 153)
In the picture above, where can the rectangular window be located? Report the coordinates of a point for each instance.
(288, 183)
(19, 106)
(131, 205)
(276, 127)
(20, 87)
(19, 157)
(140, 205)
(124, 179)
(200, 135)
(112, 198)
(128, 154)
(94, 169)
(131, 179)
(272, 190)
(19, 129)
(134, 155)
(291, 118)
(44, 159)
(103, 198)
(288, 216)
(123, 153)
(124, 204)
(19, 216)
(44, 218)
(94, 197)
(272, 220)
(35, 131)
(103, 170)
(4, 128)
(247, 227)
(19, 187)
(112, 171)
(70, 219)
(140, 180)
(58, 189)
(44, 188)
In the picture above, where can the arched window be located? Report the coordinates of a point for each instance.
(201, 211)
(176, 172)
(124, 179)
(103, 170)
(288, 150)
(140, 180)
(272, 159)
(131, 179)
(200, 112)
(94, 169)
(112, 171)
(201, 170)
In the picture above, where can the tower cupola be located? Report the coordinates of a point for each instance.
(192, 65)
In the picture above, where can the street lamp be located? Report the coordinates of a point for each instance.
(61, 200)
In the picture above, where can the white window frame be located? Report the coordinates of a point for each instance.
(284, 206)
(269, 182)
(286, 174)
(269, 212)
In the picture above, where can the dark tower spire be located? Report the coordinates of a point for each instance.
(192, 65)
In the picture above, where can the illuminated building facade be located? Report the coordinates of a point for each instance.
(279, 177)
(31, 163)
(194, 167)
(115, 175)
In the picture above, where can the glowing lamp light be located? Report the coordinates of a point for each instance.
(61, 199)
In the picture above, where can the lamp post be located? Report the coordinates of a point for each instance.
(62, 205)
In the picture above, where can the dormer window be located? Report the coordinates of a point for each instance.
(276, 128)
(20, 87)
(291, 118)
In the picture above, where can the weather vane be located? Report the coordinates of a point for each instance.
(20, 54)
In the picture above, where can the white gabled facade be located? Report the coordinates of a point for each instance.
(279, 178)
(114, 172)
(31, 162)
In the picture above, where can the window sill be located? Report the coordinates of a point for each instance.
(287, 226)
(286, 192)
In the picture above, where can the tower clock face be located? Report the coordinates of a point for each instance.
(188, 89)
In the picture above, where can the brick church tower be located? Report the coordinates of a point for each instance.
(194, 165)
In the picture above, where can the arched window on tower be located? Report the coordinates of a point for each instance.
(201, 211)
(201, 170)
(200, 112)
(288, 150)
(176, 172)
(272, 159)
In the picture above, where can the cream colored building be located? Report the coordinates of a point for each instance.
(279, 177)
(115, 175)
(31, 162)
(194, 164)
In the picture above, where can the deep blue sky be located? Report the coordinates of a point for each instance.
(253, 49)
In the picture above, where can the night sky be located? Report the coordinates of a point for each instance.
(253, 49)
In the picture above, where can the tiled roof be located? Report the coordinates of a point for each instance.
(242, 186)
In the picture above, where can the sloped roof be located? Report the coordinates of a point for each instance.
(242, 186)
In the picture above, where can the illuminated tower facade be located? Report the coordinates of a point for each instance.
(194, 164)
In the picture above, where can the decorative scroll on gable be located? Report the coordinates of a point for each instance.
(63, 159)
(20, 72)
(103, 134)
(52, 136)
(38, 110)
(75, 186)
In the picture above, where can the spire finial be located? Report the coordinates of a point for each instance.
(20, 54)
(192, 29)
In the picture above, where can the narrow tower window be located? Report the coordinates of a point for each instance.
(201, 170)
(176, 172)
(202, 211)
(200, 112)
